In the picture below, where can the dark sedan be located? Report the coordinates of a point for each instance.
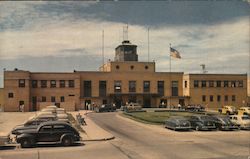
(202, 122)
(177, 123)
(224, 123)
(30, 124)
(106, 108)
(47, 133)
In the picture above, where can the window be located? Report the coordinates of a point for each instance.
(185, 84)
(43, 99)
(102, 88)
(160, 86)
(233, 83)
(43, 83)
(226, 98)
(10, 95)
(211, 98)
(218, 98)
(233, 98)
(225, 83)
(218, 83)
(174, 88)
(62, 83)
(22, 83)
(211, 83)
(203, 98)
(59, 128)
(53, 99)
(87, 86)
(62, 99)
(46, 128)
(71, 83)
(146, 86)
(132, 86)
(196, 83)
(240, 83)
(203, 83)
(34, 83)
(52, 84)
(117, 86)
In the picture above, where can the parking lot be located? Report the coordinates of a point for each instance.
(136, 140)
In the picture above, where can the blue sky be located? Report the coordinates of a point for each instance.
(63, 36)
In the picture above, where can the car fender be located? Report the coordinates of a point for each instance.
(25, 136)
(67, 135)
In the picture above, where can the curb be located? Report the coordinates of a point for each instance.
(104, 139)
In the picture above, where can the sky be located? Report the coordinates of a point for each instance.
(67, 35)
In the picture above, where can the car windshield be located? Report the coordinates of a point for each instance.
(245, 118)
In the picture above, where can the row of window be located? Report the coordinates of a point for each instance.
(87, 87)
(211, 83)
(211, 98)
(43, 83)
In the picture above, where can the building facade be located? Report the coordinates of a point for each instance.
(121, 81)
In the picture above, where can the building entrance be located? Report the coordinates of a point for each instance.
(118, 101)
(146, 102)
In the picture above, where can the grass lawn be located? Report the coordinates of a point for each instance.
(155, 117)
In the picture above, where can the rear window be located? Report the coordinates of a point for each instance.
(46, 128)
(60, 127)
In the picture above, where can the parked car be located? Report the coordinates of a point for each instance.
(202, 122)
(30, 124)
(60, 111)
(49, 110)
(229, 110)
(224, 123)
(194, 108)
(243, 121)
(244, 111)
(45, 116)
(177, 123)
(106, 108)
(132, 107)
(49, 132)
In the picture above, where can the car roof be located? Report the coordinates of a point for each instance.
(55, 123)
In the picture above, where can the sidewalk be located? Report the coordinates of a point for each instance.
(92, 131)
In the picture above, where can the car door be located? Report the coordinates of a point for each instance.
(58, 131)
(45, 134)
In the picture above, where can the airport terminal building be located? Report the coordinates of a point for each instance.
(121, 81)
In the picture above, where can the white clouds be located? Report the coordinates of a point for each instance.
(197, 43)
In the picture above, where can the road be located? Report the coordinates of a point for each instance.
(137, 141)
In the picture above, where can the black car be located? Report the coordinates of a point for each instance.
(106, 108)
(30, 124)
(49, 132)
(224, 123)
(202, 122)
(177, 123)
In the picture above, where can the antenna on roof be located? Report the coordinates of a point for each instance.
(203, 67)
(125, 32)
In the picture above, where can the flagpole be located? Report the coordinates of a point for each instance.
(170, 85)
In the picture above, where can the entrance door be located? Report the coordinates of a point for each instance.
(87, 102)
(21, 103)
(182, 102)
(146, 102)
(118, 101)
(34, 102)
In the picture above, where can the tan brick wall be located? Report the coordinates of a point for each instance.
(196, 93)
(11, 85)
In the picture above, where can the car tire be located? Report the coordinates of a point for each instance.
(25, 143)
(67, 141)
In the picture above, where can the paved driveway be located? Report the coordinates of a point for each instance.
(142, 141)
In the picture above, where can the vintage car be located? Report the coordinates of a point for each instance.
(223, 122)
(244, 111)
(202, 122)
(243, 121)
(177, 123)
(132, 107)
(47, 133)
(229, 110)
(30, 124)
(106, 108)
